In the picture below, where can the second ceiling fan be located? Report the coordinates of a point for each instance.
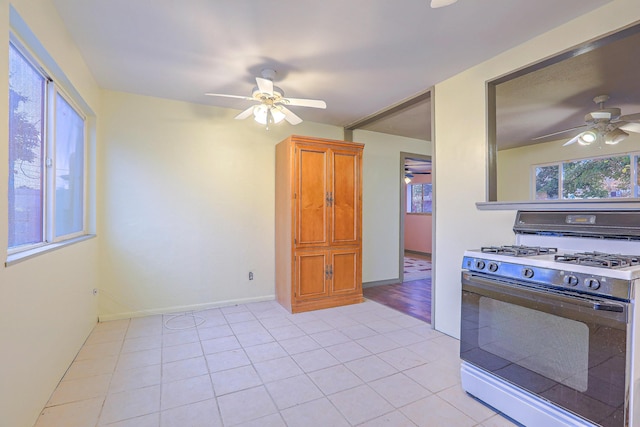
(272, 103)
(606, 124)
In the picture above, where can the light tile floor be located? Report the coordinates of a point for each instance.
(258, 365)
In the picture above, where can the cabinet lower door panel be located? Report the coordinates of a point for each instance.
(311, 276)
(345, 271)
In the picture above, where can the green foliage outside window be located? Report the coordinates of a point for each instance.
(600, 178)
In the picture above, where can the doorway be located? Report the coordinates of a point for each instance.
(413, 119)
(412, 294)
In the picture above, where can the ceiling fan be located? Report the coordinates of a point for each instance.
(603, 124)
(272, 103)
(409, 173)
(441, 3)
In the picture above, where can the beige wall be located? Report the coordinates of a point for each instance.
(515, 165)
(383, 182)
(47, 308)
(460, 152)
(187, 205)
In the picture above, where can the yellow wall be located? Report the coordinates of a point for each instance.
(47, 308)
(460, 152)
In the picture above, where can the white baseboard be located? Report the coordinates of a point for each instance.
(380, 283)
(182, 308)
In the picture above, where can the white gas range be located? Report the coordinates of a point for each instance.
(549, 330)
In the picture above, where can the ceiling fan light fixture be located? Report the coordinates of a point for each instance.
(615, 136)
(408, 176)
(265, 114)
(587, 137)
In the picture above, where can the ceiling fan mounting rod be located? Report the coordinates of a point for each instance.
(268, 73)
(600, 100)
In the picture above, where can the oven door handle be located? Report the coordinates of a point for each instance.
(507, 291)
(607, 307)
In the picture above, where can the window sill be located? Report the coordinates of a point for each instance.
(562, 205)
(31, 253)
(419, 213)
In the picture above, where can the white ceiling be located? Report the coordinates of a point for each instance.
(360, 56)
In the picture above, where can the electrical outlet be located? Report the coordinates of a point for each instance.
(251, 275)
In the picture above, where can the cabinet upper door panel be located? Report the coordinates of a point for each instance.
(311, 191)
(345, 207)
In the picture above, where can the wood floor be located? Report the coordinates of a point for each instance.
(412, 298)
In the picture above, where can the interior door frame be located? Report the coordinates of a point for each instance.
(403, 208)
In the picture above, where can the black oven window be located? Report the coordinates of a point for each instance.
(552, 346)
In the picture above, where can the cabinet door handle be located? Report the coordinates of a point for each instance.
(329, 199)
(326, 272)
(331, 272)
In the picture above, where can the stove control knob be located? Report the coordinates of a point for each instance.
(570, 280)
(592, 283)
(528, 273)
(493, 267)
(479, 264)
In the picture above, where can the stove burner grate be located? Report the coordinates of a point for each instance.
(518, 250)
(599, 259)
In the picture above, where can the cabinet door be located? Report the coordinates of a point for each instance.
(345, 265)
(310, 191)
(345, 207)
(311, 275)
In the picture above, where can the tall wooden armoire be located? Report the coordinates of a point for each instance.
(318, 223)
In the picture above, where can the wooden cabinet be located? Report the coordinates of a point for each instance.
(318, 223)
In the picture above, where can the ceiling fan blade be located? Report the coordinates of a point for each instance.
(630, 127)
(246, 98)
(441, 3)
(630, 117)
(558, 133)
(265, 85)
(290, 116)
(246, 113)
(313, 103)
(572, 140)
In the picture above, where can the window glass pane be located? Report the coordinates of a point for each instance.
(637, 178)
(416, 198)
(547, 179)
(426, 197)
(26, 121)
(597, 178)
(69, 142)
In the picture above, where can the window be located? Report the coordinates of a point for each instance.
(47, 152)
(419, 198)
(595, 178)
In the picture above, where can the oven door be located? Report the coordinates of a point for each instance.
(563, 347)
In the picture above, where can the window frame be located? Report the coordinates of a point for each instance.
(634, 158)
(409, 198)
(48, 163)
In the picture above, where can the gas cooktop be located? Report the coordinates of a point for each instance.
(593, 259)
